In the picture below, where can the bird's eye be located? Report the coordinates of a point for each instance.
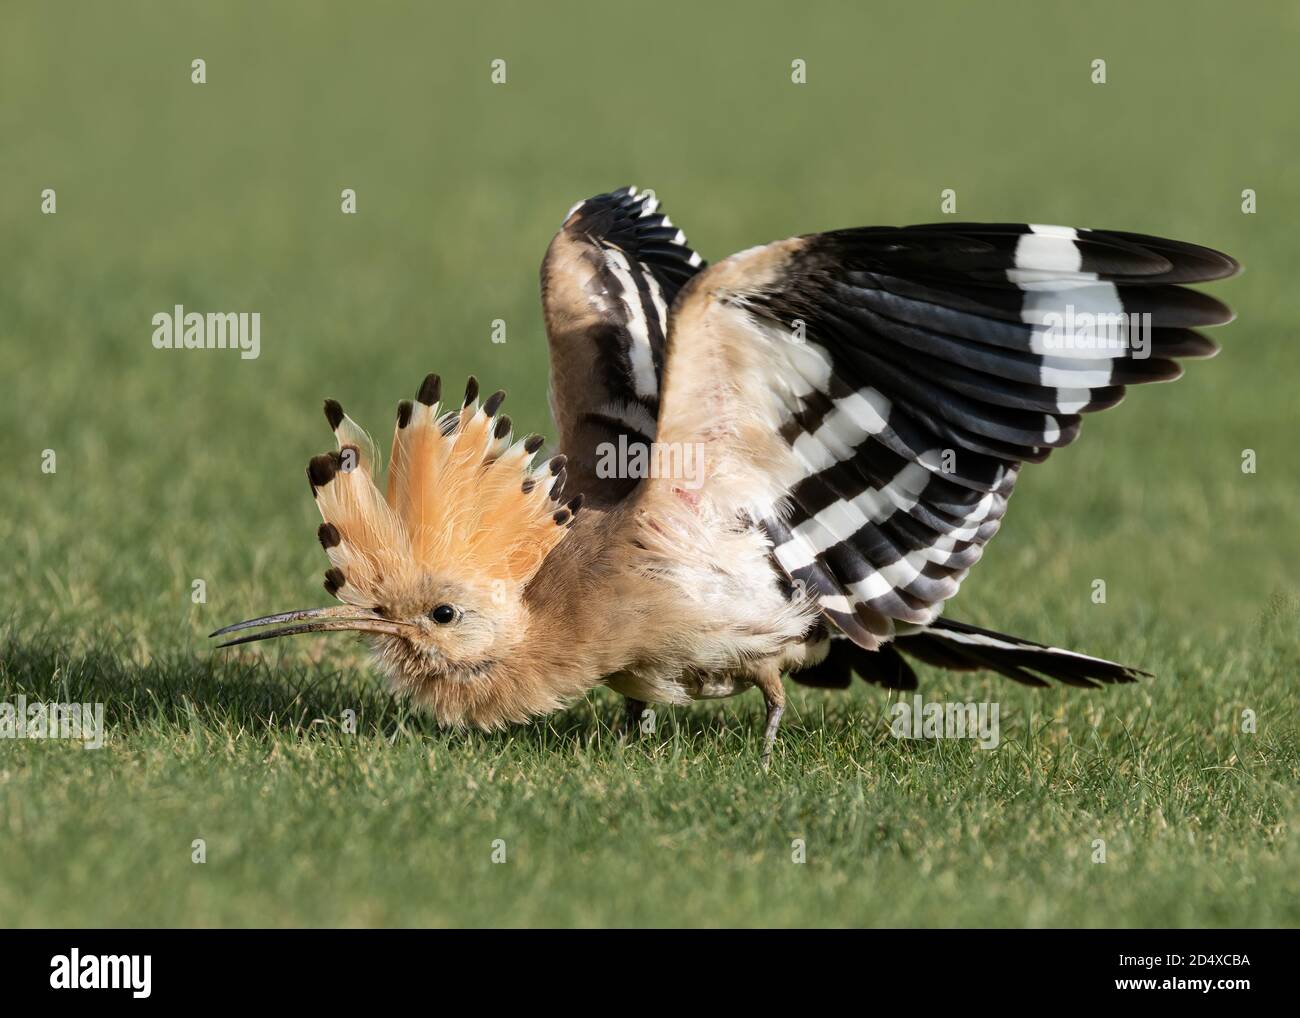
(443, 614)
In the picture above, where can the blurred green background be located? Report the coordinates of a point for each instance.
(173, 466)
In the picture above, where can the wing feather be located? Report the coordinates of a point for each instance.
(608, 282)
(869, 395)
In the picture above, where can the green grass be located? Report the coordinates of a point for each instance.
(173, 467)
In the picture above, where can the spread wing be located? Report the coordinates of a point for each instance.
(608, 281)
(869, 395)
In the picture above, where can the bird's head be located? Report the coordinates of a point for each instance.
(433, 569)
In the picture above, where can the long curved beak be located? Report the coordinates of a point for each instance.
(343, 618)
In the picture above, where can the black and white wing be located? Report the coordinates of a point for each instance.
(608, 283)
(869, 395)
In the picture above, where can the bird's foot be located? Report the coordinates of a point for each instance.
(774, 712)
(629, 725)
(768, 680)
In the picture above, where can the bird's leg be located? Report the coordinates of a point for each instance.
(631, 723)
(768, 679)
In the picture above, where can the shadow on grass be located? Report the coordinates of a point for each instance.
(176, 688)
(260, 695)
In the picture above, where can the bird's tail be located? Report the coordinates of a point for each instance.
(963, 647)
(958, 646)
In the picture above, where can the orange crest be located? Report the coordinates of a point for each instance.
(461, 499)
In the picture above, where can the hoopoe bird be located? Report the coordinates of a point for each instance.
(861, 403)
